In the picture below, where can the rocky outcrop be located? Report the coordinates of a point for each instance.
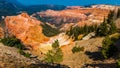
(77, 15)
(29, 31)
(25, 28)
(103, 6)
(1, 32)
(60, 17)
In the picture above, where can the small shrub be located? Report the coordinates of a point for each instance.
(77, 49)
(118, 63)
(12, 42)
(24, 54)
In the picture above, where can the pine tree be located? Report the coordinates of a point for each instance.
(54, 55)
(105, 47)
(110, 17)
(108, 48)
(118, 13)
(113, 28)
(103, 29)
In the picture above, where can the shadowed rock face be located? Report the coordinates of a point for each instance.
(25, 28)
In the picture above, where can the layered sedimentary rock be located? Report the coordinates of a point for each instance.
(103, 6)
(60, 17)
(1, 32)
(74, 16)
(25, 28)
(29, 31)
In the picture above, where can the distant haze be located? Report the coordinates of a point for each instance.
(69, 2)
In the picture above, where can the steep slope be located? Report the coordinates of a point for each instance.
(11, 58)
(77, 15)
(25, 28)
(29, 31)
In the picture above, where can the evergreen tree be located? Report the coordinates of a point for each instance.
(110, 17)
(118, 13)
(108, 48)
(54, 55)
(103, 29)
(113, 28)
(105, 47)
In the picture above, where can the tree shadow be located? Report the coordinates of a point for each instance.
(95, 55)
(46, 65)
(98, 55)
(111, 65)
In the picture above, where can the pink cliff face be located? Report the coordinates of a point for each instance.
(80, 16)
(25, 28)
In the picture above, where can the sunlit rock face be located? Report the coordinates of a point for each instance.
(75, 16)
(62, 38)
(29, 31)
(25, 28)
(103, 6)
(60, 17)
(1, 32)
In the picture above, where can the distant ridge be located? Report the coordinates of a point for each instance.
(38, 8)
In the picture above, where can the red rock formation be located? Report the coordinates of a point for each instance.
(1, 32)
(88, 15)
(73, 7)
(29, 31)
(25, 28)
(60, 17)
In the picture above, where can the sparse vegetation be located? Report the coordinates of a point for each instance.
(49, 31)
(118, 63)
(12, 42)
(74, 32)
(24, 54)
(54, 55)
(108, 26)
(77, 49)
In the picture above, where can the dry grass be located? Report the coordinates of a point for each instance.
(77, 60)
